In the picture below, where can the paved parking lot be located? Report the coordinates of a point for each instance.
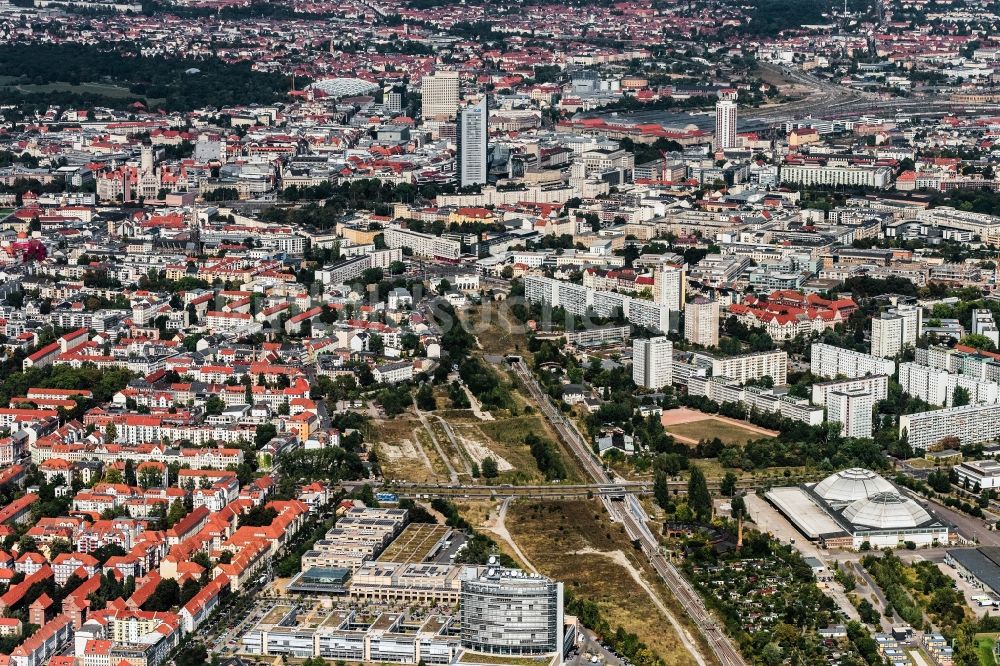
(589, 647)
(967, 590)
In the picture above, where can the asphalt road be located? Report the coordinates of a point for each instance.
(969, 527)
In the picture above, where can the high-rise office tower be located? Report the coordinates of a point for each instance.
(472, 144)
(652, 362)
(509, 612)
(725, 119)
(439, 95)
(701, 322)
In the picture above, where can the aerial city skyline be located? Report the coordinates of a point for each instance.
(530, 333)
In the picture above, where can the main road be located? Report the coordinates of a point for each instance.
(626, 509)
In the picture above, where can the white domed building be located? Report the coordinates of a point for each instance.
(344, 87)
(854, 506)
(851, 485)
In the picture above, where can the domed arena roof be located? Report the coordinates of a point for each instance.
(345, 87)
(885, 511)
(852, 484)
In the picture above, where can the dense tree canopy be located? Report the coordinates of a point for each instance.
(179, 84)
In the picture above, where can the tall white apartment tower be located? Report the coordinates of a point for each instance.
(439, 95)
(472, 144)
(701, 322)
(725, 119)
(669, 285)
(852, 409)
(652, 362)
(895, 329)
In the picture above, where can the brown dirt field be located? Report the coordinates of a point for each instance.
(560, 539)
(685, 415)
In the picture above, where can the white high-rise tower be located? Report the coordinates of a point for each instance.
(725, 119)
(652, 362)
(473, 148)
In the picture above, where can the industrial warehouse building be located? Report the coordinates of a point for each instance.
(855, 506)
(979, 566)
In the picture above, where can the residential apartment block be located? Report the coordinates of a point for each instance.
(876, 385)
(896, 329)
(773, 364)
(852, 409)
(969, 424)
(701, 322)
(937, 387)
(652, 362)
(830, 361)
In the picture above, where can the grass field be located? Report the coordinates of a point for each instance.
(921, 463)
(552, 534)
(105, 89)
(406, 452)
(710, 428)
(86, 88)
(512, 430)
(497, 332)
(108, 90)
(986, 657)
(510, 433)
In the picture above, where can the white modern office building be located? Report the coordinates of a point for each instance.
(439, 95)
(652, 362)
(510, 612)
(978, 474)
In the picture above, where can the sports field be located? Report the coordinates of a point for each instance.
(691, 427)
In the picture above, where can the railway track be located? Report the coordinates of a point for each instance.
(626, 509)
